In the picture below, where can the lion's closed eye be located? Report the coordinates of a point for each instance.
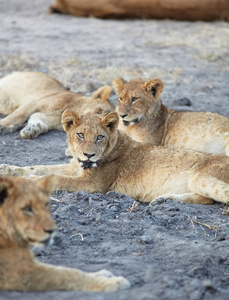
(80, 135)
(134, 99)
(28, 210)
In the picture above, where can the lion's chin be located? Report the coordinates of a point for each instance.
(41, 244)
(87, 164)
(131, 123)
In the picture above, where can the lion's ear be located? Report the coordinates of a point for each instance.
(102, 94)
(6, 186)
(110, 121)
(118, 84)
(69, 118)
(47, 184)
(154, 87)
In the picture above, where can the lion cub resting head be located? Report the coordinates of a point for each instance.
(40, 99)
(26, 220)
(88, 140)
(147, 120)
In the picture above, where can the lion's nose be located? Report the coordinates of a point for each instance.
(123, 116)
(89, 155)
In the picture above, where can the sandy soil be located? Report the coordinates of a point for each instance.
(168, 251)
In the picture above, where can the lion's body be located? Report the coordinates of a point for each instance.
(161, 126)
(176, 9)
(41, 99)
(105, 158)
(26, 220)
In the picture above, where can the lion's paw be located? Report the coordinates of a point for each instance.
(2, 129)
(5, 129)
(160, 200)
(116, 283)
(5, 169)
(10, 170)
(104, 273)
(31, 131)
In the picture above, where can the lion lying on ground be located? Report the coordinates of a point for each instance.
(26, 220)
(147, 120)
(105, 159)
(41, 99)
(192, 10)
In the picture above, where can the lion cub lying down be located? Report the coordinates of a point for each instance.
(147, 120)
(192, 10)
(105, 159)
(41, 99)
(26, 220)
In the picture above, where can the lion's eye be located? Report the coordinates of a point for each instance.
(134, 99)
(120, 99)
(100, 137)
(80, 135)
(27, 210)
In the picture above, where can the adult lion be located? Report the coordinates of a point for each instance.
(192, 10)
(25, 221)
(147, 120)
(41, 99)
(105, 159)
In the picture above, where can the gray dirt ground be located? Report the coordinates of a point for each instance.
(167, 251)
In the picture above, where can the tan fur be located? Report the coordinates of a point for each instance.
(26, 220)
(175, 9)
(147, 120)
(41, 99)
(111, 160)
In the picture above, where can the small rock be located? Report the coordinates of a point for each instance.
(221, 237)
(208, 284)
(195, 295)
(146, 239)
(98, 217)
(182, 102)
(111, 194)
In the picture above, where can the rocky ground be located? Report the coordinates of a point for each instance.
(167, 251)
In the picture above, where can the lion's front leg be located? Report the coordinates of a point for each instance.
(12, 170)
(47, 277)
(96, 282)
(33, 170)
(89, 184)
(17, 118)
(39, 123)
(190, 198)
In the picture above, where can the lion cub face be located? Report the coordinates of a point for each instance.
(25, 210)
(136, 98)
(90, 137)
(100, 103)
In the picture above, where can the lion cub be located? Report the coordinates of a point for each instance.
(105, 159)
(147, 120)
(41, 99)
(26, 220)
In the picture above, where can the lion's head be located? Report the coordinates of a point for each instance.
(90, 137)
(99, 102)
(25, 211)
(137, 98)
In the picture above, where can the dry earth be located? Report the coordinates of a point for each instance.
(168, 251)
